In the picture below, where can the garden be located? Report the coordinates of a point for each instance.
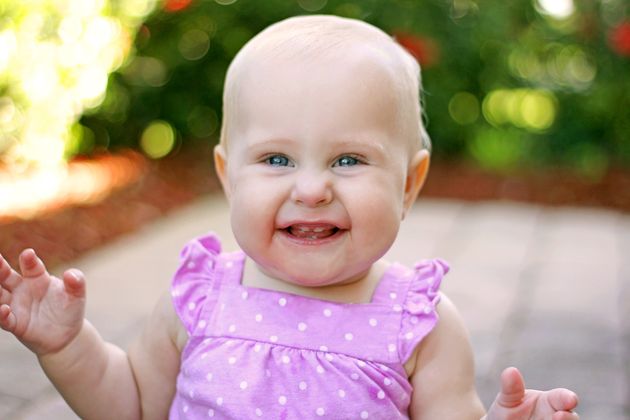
(109, 109)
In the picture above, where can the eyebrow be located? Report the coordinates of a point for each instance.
(359, 142)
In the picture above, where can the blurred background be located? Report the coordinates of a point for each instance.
(109, 110)
(526, 100)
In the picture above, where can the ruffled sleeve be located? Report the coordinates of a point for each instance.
(419, 314)
(194, 279)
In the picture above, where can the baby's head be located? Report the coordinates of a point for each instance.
(322, 148)
(327, 39)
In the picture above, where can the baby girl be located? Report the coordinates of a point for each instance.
(322, 153)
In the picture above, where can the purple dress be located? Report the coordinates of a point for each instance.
(257, 353)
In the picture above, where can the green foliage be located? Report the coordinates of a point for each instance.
(564, 80)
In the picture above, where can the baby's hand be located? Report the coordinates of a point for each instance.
(44, 312)
(514, 402)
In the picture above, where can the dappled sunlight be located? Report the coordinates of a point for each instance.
(81, 182)
(55, 58)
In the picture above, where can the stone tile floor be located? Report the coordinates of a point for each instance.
(545, 289)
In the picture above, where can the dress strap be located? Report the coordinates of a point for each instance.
(392, 289)
(230, 267)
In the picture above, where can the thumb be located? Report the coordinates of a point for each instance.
(74, 283)
(512, 388)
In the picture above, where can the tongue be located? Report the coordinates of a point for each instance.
(311, 231)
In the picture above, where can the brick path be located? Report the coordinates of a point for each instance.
(544, 289)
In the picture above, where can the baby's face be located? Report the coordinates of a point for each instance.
(316, 167)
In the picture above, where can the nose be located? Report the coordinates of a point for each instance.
(312, 189)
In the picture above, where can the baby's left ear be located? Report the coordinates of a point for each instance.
(416, 175)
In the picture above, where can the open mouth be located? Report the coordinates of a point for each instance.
(312, 232)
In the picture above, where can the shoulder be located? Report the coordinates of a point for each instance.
(443, 376)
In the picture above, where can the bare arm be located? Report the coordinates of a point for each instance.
(155, 358)
(443, 377)
(96, 378)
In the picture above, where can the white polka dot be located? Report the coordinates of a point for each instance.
(273, 338)
(427, 309)
(397, 308)
(323, 348)
(191, 394)
(373, 322)
(185, 409)
(286, 360)
(222, 306)
(329, 357)
(341, 393)
(391, 347)
(258, 317)
(232, 360)
(282, 302)
(355, 376)
(365, 414)
(319, 369)
(229, 264)
(327, 312)
(243, 385)
(414, 320)
(201, 324)
(393, 295)
(209, 377)
(302, 326)
(348, 336)
(380, 395)
(219, 400)
(259, 412)
(211, 413)
(320, 411)
(282, 400)
(191, 265)
(302, 385)
(204, 355)
(244, 295)
(192, 306)
(257, 348)
(361, 363)
(232, 328)
(387, 381)
(409, 335)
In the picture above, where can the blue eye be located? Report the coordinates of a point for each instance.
(347, 161)
(277, 160)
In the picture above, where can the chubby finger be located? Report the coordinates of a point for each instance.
(512, 388)
(74, 282)
(30, 264)
(7, 318)
(7, 279)
(562, 399)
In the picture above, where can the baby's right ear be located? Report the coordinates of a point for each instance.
(220, 166)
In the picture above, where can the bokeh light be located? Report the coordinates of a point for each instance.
(76, 44)
(158, 139)
(464, 108)
(530, 109)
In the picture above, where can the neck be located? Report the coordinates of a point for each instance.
(358, 290)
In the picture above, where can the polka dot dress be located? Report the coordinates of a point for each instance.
(256, 353)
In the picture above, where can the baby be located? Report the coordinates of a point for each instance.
(322, 153)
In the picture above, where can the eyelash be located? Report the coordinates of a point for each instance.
(273, 160)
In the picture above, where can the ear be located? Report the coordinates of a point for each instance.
(220, 167)
(416, 175)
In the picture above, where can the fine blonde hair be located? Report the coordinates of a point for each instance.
(316, 36)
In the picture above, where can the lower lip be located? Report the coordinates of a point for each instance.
(312, 242)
